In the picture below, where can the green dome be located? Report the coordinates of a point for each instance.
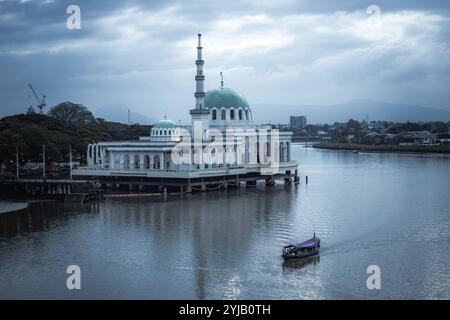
(165, 123)
(224, 98)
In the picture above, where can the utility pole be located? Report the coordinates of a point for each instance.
(70, 161)
(17, 162)
(43, 161)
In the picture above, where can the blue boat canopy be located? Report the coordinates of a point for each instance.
(308, 243)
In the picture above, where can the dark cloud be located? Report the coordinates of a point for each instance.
(141, 53)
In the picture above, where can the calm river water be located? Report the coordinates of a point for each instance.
(369, 209)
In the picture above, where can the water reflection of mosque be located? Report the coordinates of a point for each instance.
(222, 229)
(206, 232)
(41, 216)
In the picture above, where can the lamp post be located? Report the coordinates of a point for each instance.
(43, 161)
(17, 162)
(70, 161)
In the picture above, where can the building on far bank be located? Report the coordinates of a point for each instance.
(418, 137)
(297, 123)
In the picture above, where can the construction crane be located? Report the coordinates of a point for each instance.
(41, 101)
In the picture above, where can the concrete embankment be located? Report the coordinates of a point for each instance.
(384, 148)
(6, 206)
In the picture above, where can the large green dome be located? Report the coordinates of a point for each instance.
(224, 98)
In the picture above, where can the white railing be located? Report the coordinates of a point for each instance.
(188, 171)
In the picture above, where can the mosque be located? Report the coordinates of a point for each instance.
(221, 147)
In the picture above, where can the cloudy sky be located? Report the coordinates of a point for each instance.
(141, 53)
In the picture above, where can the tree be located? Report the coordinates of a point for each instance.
(439, 127)
(30, 131)
(411, 126)
(71, 113)
(352, 127)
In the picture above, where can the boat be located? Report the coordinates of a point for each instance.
(302, 250)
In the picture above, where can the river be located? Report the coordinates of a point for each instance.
(389, 210)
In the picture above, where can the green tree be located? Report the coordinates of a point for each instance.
(411, 126)
(71, 113)
(30, 131)
(439, 127)
(352, 127)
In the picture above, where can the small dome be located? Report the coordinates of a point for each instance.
(165, 123)
(224, 98)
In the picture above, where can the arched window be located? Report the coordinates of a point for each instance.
(246, 149)
(222, 116)
(165, 132)
(160, 132)
(136, 161)
(146, 162)
(116, 162)
(156, 162)
(267, 149)
(170, 132)
(246, 114)
(126, 161)
(214, 114)
(232, 114)
(94, 153)
(281, 152)
(257, 152)
(240, 114)
(229, 156)
(287, 152)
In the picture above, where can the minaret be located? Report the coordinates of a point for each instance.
(200, 77)
(200, 114)
(221, 80)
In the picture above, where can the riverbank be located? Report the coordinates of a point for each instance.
(6, 207)
(383, 148)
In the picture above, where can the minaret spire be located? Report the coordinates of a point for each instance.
(199, 78)
(200, 114)
(221, 80)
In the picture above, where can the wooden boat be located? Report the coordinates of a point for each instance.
(301, 250)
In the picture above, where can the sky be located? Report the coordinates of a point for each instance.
(141, 53)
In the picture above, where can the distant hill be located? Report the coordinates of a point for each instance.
(354, 109)
(119, 113)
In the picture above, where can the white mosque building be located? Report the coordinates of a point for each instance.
(222, 146)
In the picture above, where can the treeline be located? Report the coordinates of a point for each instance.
(66, 124)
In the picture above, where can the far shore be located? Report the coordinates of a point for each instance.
(6, 206)
(422, 149)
